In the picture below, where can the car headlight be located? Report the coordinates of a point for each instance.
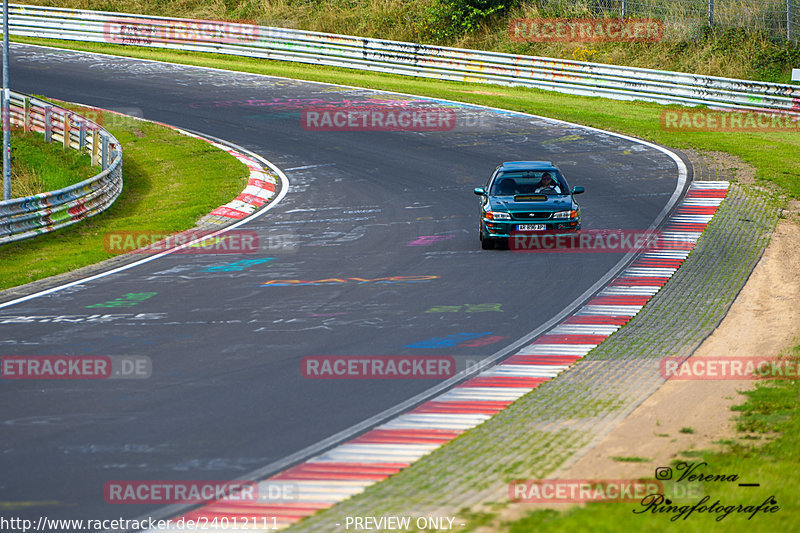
(565, 214)
(497, 215)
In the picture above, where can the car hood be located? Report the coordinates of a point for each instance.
(552, 203)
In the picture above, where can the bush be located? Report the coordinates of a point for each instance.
(448, 19)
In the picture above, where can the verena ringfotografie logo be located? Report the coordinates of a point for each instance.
(188, 242)
(377, 367)
(582, 490)
(540, 30)
(154, 31)
(727, 121)
(75, 367)
(726, 368)
(594, 241)
(378, 118)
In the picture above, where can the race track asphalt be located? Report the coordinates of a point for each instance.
(226, 395)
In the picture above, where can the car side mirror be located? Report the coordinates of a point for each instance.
(480, 191)
(577, 190)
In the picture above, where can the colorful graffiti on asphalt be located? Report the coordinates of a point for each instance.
(467, 308)
(427, 240)
(345, 281)
(126, 300)
(56, 319)
(483, 341)
(238, 266)
(458, 340)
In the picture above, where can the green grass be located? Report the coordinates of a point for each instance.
(770, 412)
(630, 459)
(38, 166)
(170, 181)
(773, 154)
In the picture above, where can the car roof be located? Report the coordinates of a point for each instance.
(528, 165)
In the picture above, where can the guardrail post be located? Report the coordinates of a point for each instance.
(95, 146)
(105, 154)
(82, 135)
(624, 8)
(710, 12)
(67, 127)
(27, 111)
(6, 112)
(48, 127)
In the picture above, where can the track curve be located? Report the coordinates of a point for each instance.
(227, 396)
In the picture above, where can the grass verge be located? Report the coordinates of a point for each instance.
(162, 193)
(766, 453)
(37, 166)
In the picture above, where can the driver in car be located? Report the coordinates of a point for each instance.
(548, 184)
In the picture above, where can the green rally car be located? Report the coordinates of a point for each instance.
(526, 197)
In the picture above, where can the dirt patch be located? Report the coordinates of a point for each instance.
(792, 209)
(691, 415)
(729, 167)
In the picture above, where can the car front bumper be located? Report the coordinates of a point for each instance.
(504, 229)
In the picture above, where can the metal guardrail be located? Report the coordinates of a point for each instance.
(573, 77)
(22, 218)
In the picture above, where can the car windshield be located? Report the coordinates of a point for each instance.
(528, 182)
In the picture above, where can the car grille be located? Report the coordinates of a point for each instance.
(525, 215)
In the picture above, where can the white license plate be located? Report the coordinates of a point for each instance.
(531, 227)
